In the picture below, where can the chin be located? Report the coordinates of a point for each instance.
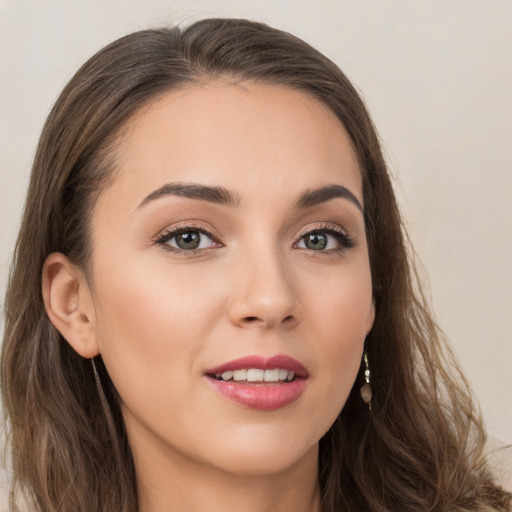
(261, 452)
(260, 461)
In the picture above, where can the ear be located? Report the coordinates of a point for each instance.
(371, 318)
(69, 305)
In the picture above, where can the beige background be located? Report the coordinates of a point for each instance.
(437, 76)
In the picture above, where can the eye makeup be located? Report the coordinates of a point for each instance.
(326, 238)
(191, 239)
(187, 238)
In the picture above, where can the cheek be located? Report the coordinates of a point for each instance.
(340, 317)
(341, 305)
(153, 323)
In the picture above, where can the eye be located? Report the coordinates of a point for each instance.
(187, 239)
(328, 239)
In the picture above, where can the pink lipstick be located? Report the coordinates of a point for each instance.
(260, 383)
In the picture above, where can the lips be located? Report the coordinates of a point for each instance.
(260, 383)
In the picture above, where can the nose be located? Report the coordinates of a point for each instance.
(264, 293)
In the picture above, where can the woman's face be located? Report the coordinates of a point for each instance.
(228, 254)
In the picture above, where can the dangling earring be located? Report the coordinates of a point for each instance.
(99, 386)
(111, 426)
(95, 372)
(366, 390)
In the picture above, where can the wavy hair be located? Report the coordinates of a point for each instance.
(420, 447)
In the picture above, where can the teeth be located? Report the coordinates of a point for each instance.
(271, 375)
(257, 375)
(240, 375)
(254, 375)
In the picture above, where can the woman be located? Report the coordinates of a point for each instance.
(211, 304)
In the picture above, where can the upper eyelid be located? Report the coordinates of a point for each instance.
(324, 227)
(188, 226)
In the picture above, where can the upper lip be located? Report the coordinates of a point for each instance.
(280, 361)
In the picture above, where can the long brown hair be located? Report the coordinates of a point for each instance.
(419, 448)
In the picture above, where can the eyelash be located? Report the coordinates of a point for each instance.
(168, 235)
(341, 236)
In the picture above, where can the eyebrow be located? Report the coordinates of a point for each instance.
(218, 195)
(323, 194)
(223, 196)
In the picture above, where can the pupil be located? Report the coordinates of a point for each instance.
(188, 240)
(316, 242)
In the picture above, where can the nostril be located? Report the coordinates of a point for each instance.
(256, 320)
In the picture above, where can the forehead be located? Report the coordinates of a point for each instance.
(248, 137)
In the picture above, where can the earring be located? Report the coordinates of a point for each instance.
(366, 390)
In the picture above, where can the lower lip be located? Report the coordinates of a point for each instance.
(263, 397)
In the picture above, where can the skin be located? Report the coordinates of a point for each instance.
(161, 317)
